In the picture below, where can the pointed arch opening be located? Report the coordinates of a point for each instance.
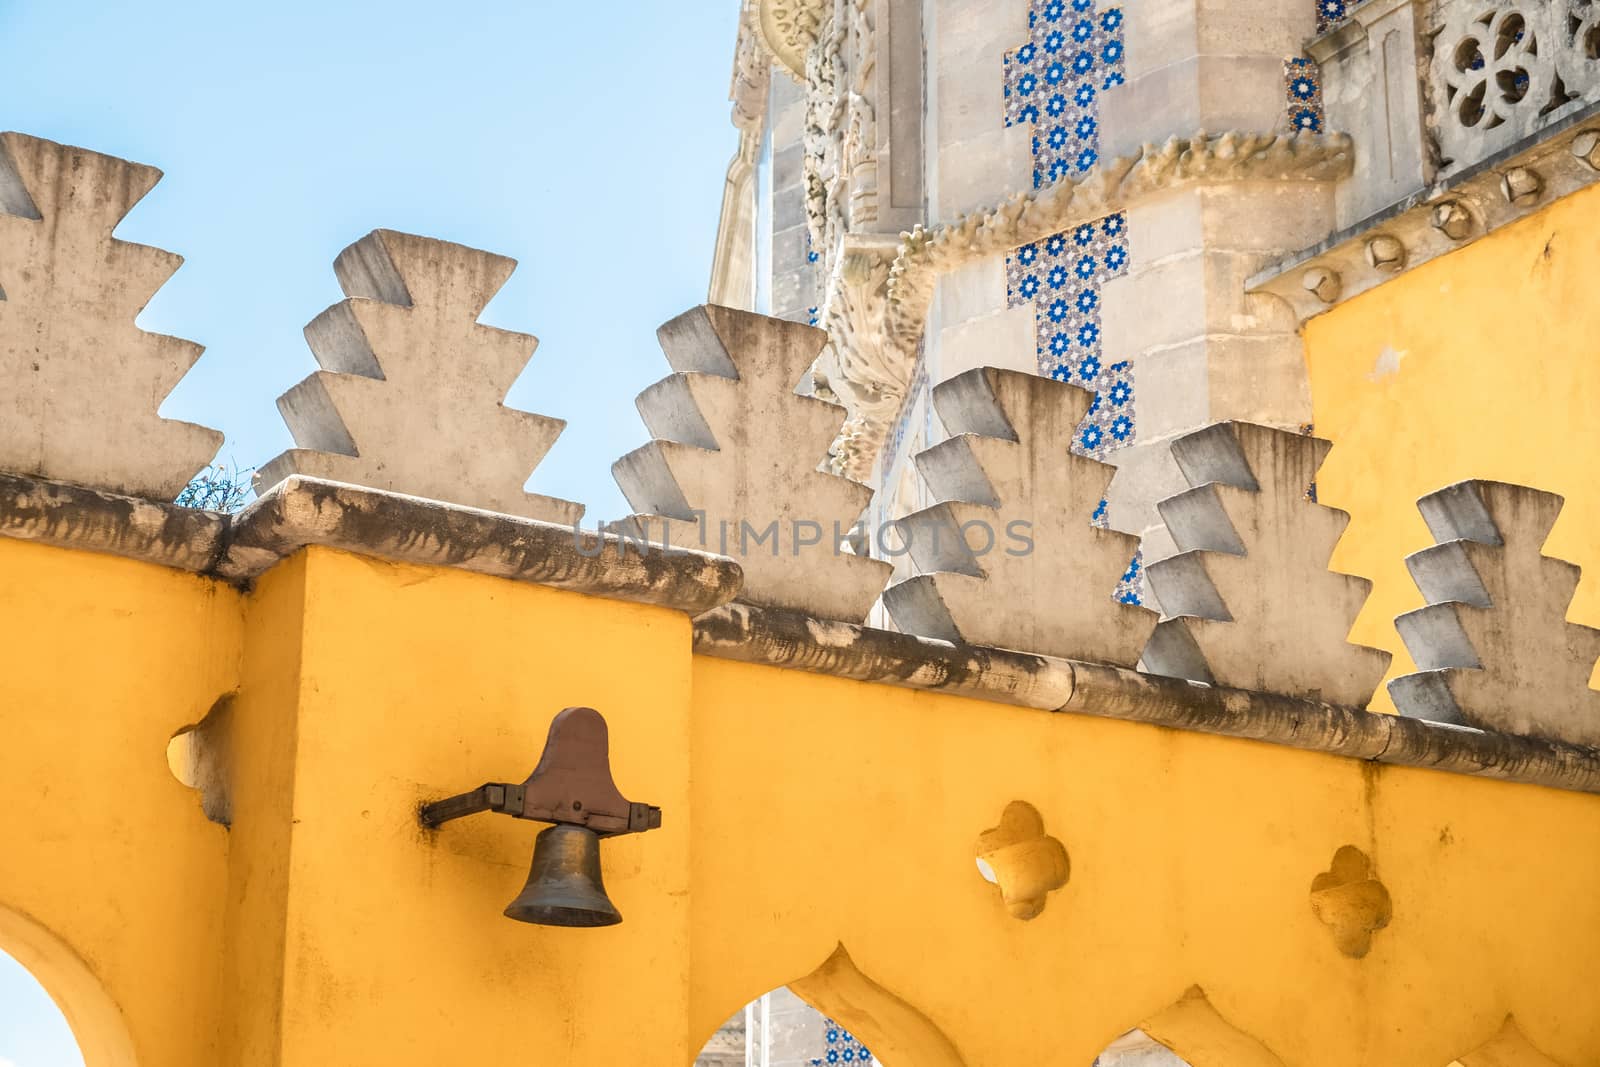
(835, 1015)
(1190, 1032)
(1509, 1047)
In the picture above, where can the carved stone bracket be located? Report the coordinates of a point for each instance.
(1553, 163)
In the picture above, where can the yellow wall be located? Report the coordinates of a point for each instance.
(1497, 377)
(103, 853)
(801, 813)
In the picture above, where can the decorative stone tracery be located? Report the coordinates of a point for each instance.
(1502, 69)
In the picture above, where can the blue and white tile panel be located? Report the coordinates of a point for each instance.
(1054, 81)
(841, 1047)
(1062, 277)
(1302, 90)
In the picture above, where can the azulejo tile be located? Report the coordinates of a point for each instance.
(841, 1046)
(1332, 12)
(1062, 277)
(1054, 81)
(1302, 89)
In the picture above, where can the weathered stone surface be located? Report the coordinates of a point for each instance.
(305, 511)
(82, 381)
(95, 520)
(410, 400)
(733, 467)
(1371, 90)
(788, 640)
(926, 254)
(1009, 556)
(1466, 206)
(1493, 643)
(753, 634)
(1249, 601)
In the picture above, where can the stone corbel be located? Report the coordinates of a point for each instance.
(1554, 162)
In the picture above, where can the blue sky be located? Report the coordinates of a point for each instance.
(587, 141)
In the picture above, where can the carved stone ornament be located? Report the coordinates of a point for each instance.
(840, 158)
(1419, 229)
(1502, 69)
(732, 467)
(1008, 472)
(1024, 861)
(1250, 600)
(1351, 902)
(865, 367)
(790, 28)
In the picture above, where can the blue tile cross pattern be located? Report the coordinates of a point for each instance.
(1054, 82)
(1062, 277)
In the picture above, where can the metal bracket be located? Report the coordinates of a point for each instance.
(572, 785)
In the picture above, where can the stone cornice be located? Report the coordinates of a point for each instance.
(922, 255)
(1557, 161)
(781, 639)
(306, 511)
(1110, 186)
(97, 520)
(303, 511)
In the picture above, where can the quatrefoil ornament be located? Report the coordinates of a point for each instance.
(1350, 901)
(1494, 66)
(1024, 861)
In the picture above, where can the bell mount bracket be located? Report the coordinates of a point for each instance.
(572, 785)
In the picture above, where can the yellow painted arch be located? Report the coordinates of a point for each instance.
(888, 1025)
(1195, 1030)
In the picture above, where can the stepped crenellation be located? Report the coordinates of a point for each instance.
(738, 471)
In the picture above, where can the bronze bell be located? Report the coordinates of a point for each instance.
(564, 886)
(572, 788)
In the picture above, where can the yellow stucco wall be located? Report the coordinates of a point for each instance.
(800, 813)
(1481, 364)
(111, 880)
